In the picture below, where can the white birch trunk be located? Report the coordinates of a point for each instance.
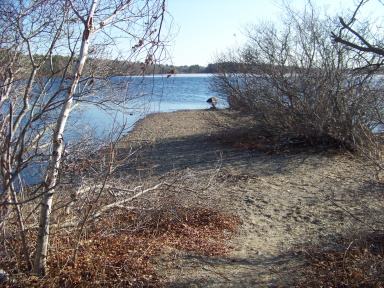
(40, 262)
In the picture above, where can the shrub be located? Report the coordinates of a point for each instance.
(301, 86)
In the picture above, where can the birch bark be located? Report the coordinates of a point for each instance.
(149, 15)
(40, 262)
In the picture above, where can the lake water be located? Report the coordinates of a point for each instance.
(160, 94)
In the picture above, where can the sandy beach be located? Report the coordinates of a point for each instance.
(285, 201)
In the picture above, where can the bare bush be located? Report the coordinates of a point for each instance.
(300, 86)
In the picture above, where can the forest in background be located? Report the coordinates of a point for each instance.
(106, 67)
(114, 67)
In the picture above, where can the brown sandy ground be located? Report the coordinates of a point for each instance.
(286, 201)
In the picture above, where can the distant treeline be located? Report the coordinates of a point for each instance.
(61, 65)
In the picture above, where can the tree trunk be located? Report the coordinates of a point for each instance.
(40, 262)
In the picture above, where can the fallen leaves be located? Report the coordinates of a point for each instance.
(361, 264)
(117, 250)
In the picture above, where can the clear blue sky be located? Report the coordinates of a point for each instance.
(206, 27)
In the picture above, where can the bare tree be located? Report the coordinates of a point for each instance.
(37, 95)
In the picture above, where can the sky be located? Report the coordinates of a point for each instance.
(205, 28)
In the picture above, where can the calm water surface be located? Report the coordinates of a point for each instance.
(160, 94)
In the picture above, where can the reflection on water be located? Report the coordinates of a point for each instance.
(161, 94)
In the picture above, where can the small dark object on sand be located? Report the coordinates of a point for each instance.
(213, 101)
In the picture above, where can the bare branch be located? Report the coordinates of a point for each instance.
(371, 49)
(118, 203)
(367, 46)
(82, 19)
(106, 21)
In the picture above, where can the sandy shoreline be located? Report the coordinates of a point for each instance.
(283, 200)
(179, 124)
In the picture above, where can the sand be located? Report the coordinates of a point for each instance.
(286, 201)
